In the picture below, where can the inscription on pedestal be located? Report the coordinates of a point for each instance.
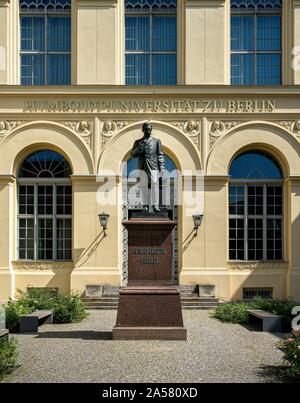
(147, 254)
(150, 252)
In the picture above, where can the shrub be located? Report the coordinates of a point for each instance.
(69, 309)
(13, 311)
(233, 312)
(66, 309)
(8, 355)
(236, 312)
(282, 308)
(291, 350)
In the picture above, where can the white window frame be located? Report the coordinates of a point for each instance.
(55, 182)
(264, 216)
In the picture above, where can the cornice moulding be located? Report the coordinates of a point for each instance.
(184, 90)
(7, 178)
(216, 178)
(4, 3)
(294, 178)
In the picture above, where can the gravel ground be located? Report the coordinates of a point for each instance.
(214, 352)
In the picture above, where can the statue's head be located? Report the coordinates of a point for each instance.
(147, 129)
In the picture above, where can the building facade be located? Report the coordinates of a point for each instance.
(219, 82)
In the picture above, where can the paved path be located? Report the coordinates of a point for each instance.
(214, 352)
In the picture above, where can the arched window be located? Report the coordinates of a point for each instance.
(45, 43)
(45, 207)
(151, 42)
(255, 207)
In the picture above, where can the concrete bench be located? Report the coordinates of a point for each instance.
(31, 321)
(269, 321)
(4, 334)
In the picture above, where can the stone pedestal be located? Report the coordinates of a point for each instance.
(150, 306)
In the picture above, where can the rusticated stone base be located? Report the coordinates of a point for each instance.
(149, 312)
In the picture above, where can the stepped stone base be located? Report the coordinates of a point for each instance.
(189, 296)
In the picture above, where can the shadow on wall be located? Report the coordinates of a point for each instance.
(83, 255)
(188, 240)
(61, 276)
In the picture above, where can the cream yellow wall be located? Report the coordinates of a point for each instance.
(42, 274)
(207, 42)
(97, 23)
(36, 135)
(7, 236)
(276, 279)
(264, 135)
(294, 277)
(296, 39)
(4, 17)
(9, 42)
(97, 256)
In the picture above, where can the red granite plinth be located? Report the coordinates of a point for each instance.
(149, 312)
(149, 307)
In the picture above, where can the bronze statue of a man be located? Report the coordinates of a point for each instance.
(151, 160)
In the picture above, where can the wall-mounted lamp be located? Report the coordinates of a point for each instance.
(197, 221)
(103, 218)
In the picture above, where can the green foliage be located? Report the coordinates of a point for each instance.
(13, 311)
(291, 350)
(233, 312)
(66, 309)
(236, 312)
(8, 355)
(69, 309)
(282, 308)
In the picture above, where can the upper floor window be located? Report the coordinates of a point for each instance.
(151, 42)
(45, 42)
(256, 42)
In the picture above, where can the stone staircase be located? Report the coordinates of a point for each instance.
(190, 299)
